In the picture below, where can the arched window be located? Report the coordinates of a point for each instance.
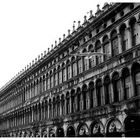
(63, 104)
(36, 83)
(80, 65)
(91, 90)
(107, 89)
(106, 48)
(48, 81)
(134, 31)
(67, 103)
(72, 101)
(114, 42)
(124, 39)
(60, 74)
(91, 60)
(41, 84)
(79, 101)
(46, 109)
(54, 108)
(98, 49)
(44, 83)
(58, 106)
(136, 77)
(98, 91)
(68, 70)
(50, 109)
(85, 98)
(74, 67)
(55, 77)
(126, 82)
(51, 79)
(63, 72)
(116, 86)
(85, 61)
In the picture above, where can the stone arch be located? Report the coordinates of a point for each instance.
(135, 67)
(70, 131)
(91, 85)
(72, 58)
(132, 20)
(131, 126)
(97, 129)
(78, 90)
(114, 128)
(91, 48)
(60, 132)
(122, 27)
(63, 64)
(113, 33)
(125, 71)
(97, 44)
(84, 50)
(135, 72)
(82, 130)
(84, 87)
(114, 73)
(105, 39)
(68, 62)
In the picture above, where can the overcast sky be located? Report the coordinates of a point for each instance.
(29, 27)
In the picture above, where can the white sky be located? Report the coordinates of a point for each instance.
(29, 27)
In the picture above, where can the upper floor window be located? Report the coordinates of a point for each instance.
(91, 60)
(136, 77)
(98, 91)
(124, 39)
(85, 61)
(134, 31)
(74, 67)
(114, 42)
(68, 70)
(116, 86)
(98, 49)
(67, 103)
(106, 48)
(63, 72)
(80, 66)
(107, 89)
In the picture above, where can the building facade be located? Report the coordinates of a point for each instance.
(62, 95)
